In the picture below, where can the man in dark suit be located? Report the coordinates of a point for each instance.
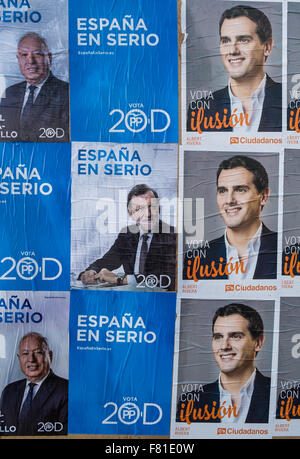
(36, 110)
(251, 95)
(146, 250)
(242, 393)
(248, 249)
(37, 405)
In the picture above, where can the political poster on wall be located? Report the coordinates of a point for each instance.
(124, 71)
(100, 220)
(293, 75)
(222, 384)
(288, 380)
(34, 358)
(124, 209)
(35, 216)
(291, 225)
(34, 71)
(232, 74)
(121, 358)
(229, 241)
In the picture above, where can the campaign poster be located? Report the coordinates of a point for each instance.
(288, 373)
(232, 74)
(123, 223)
(228, 246)
(34, 71)
(293, 75)
(34, 358)
(35, 216)
(124, 71)
(291, 225)
(121, 359)
(222, 379)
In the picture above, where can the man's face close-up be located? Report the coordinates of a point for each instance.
(242, 52)
(35, 359)
(238, 200)
(233, 346)
(144, 210)
(34, 60)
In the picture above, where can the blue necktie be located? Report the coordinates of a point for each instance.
(25, 415)
(25, 117)
(143, 254)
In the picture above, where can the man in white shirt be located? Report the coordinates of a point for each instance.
(252, 100)
(241, 394)
(248, 249)
(37, 109)
(41, 398)
(237, 339)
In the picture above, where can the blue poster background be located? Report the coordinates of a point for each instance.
(35, 216)
(124, 71)
(121, 387)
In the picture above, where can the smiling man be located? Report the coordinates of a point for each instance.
(42, 398)
(251, 95)
(247, 244)
(146, 248)
(241, 390)
(36, 109)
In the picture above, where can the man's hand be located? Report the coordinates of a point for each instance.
(92, 277)
(106, 276)
(88, 277)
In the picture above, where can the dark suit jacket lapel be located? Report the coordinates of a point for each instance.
(44, 392)
(266, 265)
(259, 406)
(17, 402)
(219, 251)
(223, 102)
(211, 396)
(129, 251)
(44, 97)
(154, 255)
(271, 117)
(16, 101)
(157, 251)
(155, 243)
